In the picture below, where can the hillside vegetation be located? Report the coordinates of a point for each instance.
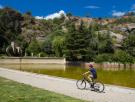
(76, 38)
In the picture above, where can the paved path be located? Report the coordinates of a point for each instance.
(68, 87)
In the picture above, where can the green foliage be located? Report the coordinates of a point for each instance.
(129, 44)
(54, 43)
(58, 21)
(105, 43)
(125, 20)
(10, 27)
(23, 44)
(55, 34)
(64, 37)
(34, 48)
(58, 45)
(47, 47)
(103, 58)
(11, 91)
(123, 57)
(48, 26)
(10, 23)
(78, 43)
(43, 54)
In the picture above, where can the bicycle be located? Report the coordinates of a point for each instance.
(96, 85)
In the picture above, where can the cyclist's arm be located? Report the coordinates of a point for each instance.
(88, 72)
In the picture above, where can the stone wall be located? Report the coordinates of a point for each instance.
(32, 60)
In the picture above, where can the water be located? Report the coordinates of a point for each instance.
(116, 77)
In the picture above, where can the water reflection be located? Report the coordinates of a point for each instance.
(35, 66)
(118, 77)
(63, 67)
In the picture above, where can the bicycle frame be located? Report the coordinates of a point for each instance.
(90, 82)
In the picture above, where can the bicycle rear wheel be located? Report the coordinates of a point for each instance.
(81, 84)
(98, 86)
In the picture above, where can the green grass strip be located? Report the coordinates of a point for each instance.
(11, 91)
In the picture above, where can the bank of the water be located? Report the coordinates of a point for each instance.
(32, 60)
(68, 87)
(121, 77)
(114, 77)
(11, 91)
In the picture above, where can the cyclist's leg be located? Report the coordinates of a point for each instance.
(90, 78)
(92, 83)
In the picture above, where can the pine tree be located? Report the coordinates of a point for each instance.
(77, 43)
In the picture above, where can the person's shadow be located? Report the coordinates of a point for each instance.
(91, 89)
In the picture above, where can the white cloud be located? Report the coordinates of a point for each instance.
(39, 17)
(1, 6)
(92, 7)
(52, 16)
(56, 15)
(117, 13)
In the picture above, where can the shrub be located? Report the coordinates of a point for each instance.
(103, 58)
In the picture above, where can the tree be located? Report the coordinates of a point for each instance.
(22, 43)
(77, 43)
(100, 58)
(34, 48)
(3, 44)
(123, 57)
(129, 44)
(47, 46)
(58, 45)
(105, 44)
(10, 27)
(10, 23)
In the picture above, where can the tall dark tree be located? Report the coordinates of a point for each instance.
(10, 26)
(77, 43)
(10, 23)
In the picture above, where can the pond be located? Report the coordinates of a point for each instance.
(116, 77)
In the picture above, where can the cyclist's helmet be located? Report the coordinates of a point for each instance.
(90, 65)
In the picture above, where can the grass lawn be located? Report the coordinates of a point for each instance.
(11, 91)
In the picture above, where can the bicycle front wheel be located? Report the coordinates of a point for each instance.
(98, 86)
(81, 84)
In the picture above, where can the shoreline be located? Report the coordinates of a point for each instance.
(68, 87)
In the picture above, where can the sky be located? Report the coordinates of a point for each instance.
(82, 8)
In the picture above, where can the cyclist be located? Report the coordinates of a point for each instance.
(91, 75)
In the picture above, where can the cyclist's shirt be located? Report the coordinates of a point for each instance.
(94, 73)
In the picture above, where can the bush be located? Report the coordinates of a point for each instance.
(103, 58)
(3, 55)
(33, 48)
(123, 57)
(43, 54)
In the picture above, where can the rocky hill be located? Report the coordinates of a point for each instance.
(24, 28)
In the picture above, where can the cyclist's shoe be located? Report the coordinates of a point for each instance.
(92, 89)
(92, 85)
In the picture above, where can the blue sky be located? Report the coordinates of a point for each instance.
(94, 8)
